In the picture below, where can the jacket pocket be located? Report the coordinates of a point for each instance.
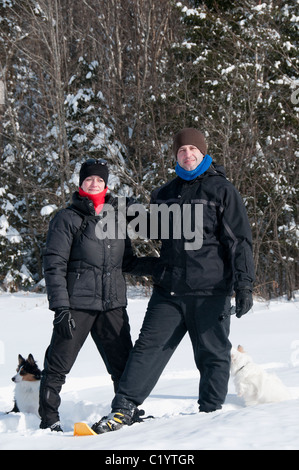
(159, 272)
(206, 272)
(81, 283)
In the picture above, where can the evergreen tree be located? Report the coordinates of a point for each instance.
(90, 134)
(21, 160)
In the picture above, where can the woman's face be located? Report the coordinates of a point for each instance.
(93, 184)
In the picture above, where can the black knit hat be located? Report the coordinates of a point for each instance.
(189, 136)
(94, 167)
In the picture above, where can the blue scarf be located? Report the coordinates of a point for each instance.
(199, 170)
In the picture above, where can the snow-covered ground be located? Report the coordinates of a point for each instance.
(270, 333)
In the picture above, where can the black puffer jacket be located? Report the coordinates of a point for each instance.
(83, 271)
(224, 262)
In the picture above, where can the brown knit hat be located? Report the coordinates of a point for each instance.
(189, 136)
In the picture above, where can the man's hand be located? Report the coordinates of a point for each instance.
(244, 302)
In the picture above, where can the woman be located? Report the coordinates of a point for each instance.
(86, 288)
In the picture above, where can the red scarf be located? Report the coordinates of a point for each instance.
(97, 199)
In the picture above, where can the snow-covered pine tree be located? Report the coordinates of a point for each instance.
(21, 159)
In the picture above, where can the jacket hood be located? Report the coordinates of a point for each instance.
(216, 169)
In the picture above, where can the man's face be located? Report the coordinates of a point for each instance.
(93, 184)
(189, 157)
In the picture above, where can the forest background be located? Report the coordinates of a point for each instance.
(115, 79)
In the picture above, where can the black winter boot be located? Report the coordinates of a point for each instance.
(54, 427)
(117, 419)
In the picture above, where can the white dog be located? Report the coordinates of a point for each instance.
(254, 384)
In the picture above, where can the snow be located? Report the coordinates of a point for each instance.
(47, 210)
(9, 232)
(270, 333)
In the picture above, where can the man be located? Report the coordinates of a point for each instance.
(193, 288)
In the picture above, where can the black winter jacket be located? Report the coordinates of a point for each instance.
(224, 262)
(83, 271)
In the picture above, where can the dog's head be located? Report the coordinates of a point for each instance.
(239, 359)
(27, 370)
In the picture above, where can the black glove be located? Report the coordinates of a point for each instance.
(244, 302)
(63, 322)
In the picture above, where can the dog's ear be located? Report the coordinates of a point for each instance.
(30, 359)
(241, 349)
(21, 359)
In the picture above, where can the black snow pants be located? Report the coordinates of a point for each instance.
(167, 320)
(110, 331)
